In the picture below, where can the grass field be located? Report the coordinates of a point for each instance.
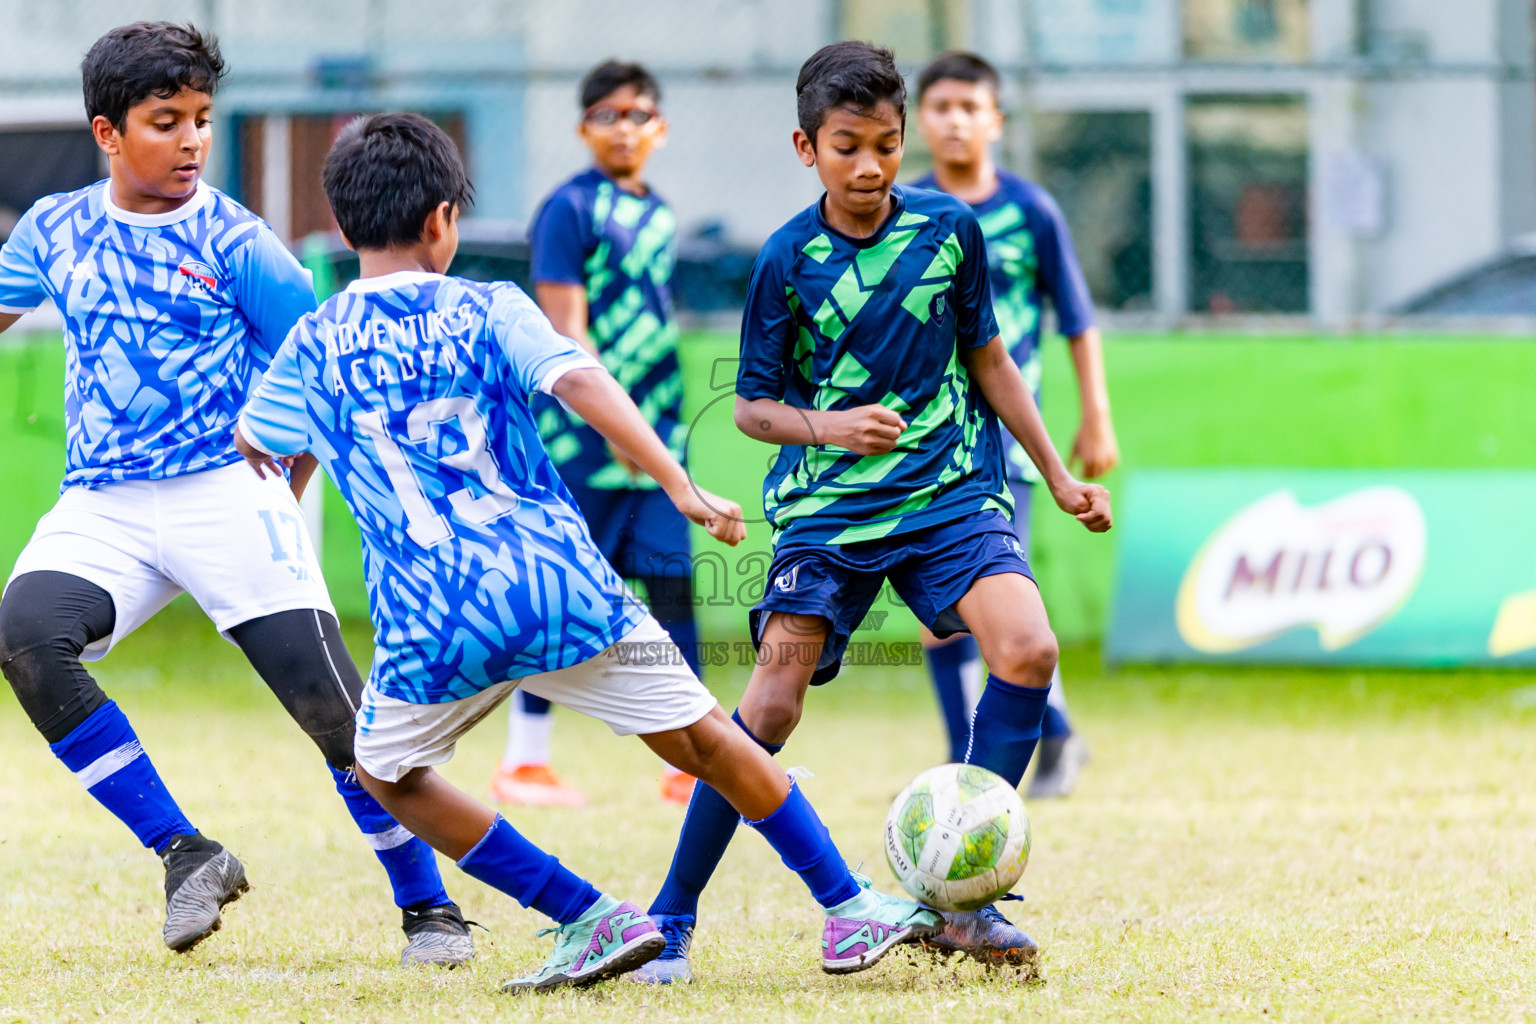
(1255, 845)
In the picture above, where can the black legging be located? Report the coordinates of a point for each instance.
(48, 618)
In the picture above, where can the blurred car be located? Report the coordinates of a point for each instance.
(1503, 286)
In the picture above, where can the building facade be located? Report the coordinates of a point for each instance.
(1314, 158)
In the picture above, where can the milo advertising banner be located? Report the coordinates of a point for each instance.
(1368, 567)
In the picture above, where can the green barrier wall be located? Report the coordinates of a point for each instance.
(1448, 402)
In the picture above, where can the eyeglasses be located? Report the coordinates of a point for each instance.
(607, 117)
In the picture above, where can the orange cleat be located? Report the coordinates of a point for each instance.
(676, 787)
(533, 785)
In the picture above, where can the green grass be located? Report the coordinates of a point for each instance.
(1256, 844)
(1178, 400)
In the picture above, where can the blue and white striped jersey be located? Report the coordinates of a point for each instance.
(168, 321)
(413, 390)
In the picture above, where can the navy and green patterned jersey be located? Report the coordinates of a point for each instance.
(1031, 260)
(834, 322)
(620, 247)
(413, 391)
(168, 320)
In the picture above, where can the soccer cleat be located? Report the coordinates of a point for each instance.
(863, 929)
(200, 878)
(533, 785)
(1060, 761)
(676, 787)
(437, 936)
(610, 939)
(987, 937)
(672, 965)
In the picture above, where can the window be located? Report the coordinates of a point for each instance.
(1098, 166)
(1247, 30)
(1248, 204)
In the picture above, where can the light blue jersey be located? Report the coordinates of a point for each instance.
(168, 320)
(413, 391)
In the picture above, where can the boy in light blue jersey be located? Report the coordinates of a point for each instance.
(1030, 261)
(871, 355)
(174, 298)
(413, 389)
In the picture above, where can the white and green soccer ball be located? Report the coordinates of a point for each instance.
(957, 838)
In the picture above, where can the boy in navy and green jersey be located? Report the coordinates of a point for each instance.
(1031, 260)
(604, 244)
(870, 353)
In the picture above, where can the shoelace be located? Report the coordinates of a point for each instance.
(679, 937)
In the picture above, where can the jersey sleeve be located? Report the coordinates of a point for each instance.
(558, 240)
(537, 355)
(21, 281)
(975, 323)
(767, 330)
(273, 290)
(276, 419)
(1061, 278)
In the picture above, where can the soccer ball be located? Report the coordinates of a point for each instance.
(957, 838)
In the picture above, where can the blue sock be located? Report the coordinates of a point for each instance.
(409, 862)
(106, 757)
(707, 830)
(503, 859)
(1006, 727)
(533, 704)
(803, 842)
(945, 663)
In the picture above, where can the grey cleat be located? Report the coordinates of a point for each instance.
(436, 936)
(200, 878)
(989, 938)
(1060, 761)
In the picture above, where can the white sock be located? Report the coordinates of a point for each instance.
(972, 680)
(1056, 698)
(527, 735)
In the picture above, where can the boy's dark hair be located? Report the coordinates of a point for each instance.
(860, 75)
(612, 75)
(148, 58)
(386, 173)
(960, 66)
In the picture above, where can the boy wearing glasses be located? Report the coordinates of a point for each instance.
(604, 245)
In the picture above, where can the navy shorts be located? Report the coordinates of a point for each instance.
(930, 570)
(640, 532)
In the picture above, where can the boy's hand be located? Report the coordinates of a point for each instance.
(1088, 502)
(1095, 449)
(720, 516)
(867, 430)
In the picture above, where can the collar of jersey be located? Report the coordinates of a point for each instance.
(898, 204)
(386, 282)
(191, 208)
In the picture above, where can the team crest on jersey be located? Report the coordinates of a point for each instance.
(939, 306)
(199, 275)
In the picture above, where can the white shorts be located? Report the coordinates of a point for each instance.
(639, 685)
(234, 541)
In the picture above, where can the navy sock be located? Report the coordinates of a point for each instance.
(409, 862)
(707, 830)
(1055, 725)
(503, 859)
(803, 842)
(532, 703)
(106, 757)
(944, 664)
(1006, 727)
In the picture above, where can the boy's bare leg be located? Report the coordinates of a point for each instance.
(1008, 619)
(791, 646)
(432, 808)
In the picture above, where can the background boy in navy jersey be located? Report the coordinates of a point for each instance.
(604, 245)
(1030, 259)
(870, 353)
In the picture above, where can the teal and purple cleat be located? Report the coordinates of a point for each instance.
(860, 931)
(610, 939)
